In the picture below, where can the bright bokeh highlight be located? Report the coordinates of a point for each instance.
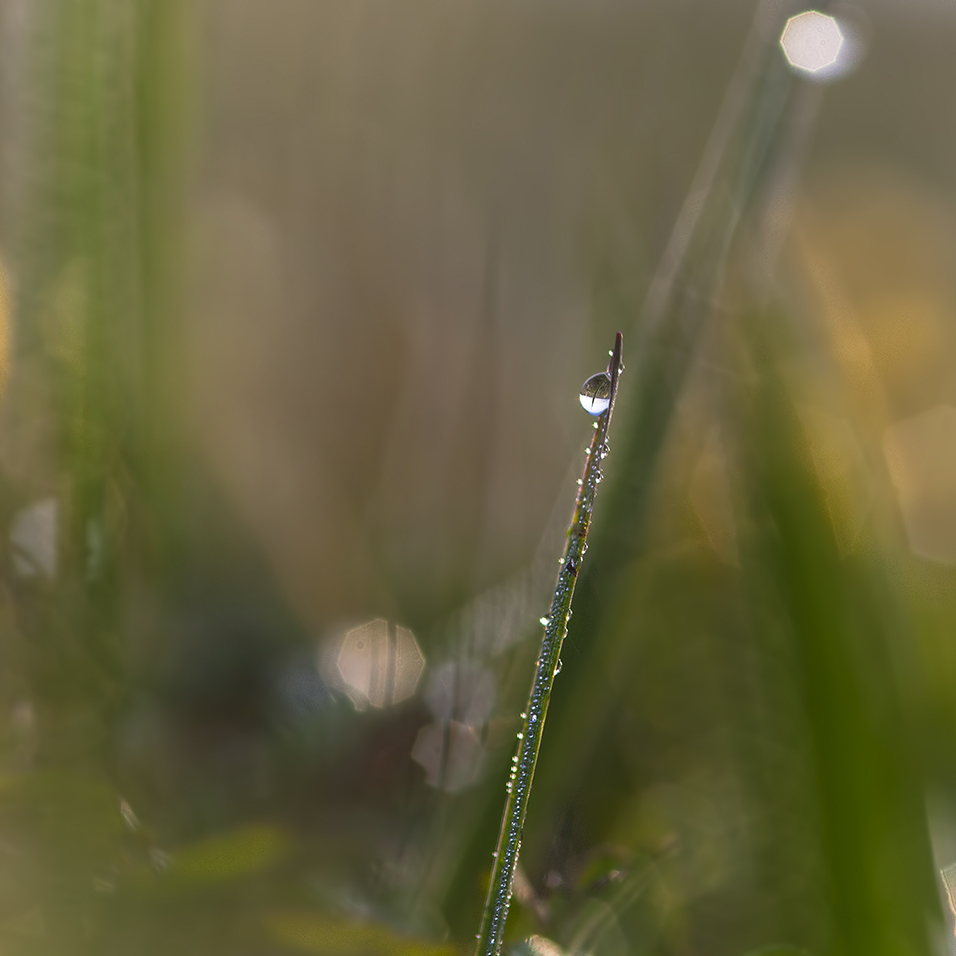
(811, 41)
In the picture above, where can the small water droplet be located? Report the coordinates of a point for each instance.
(520, 736)
(595, 425)
(545, 622)
(557, 669)
(560, 560)
(596, 394)
(580, 482)
(523, 716)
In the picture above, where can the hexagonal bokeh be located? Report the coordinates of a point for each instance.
(920, 454)
(811, 41)
(462, 691)
(451, 754)
(33, 537)
(379, 663)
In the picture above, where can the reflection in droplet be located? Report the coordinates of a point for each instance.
(380, 664)
(596, 394)
(451, 754)
(33, 536)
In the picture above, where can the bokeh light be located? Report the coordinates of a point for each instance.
(812, 41)
(33, 535)
(451, 754)
(379, 664)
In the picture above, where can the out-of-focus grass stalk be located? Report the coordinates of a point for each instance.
(751, 137)
(99, 139)
(491, 933)
(94, 259)
(841, 623)
(872, 840)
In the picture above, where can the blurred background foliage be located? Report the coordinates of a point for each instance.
(296, 301)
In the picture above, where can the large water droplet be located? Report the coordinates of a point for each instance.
(596, 394)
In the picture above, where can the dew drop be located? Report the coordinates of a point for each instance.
(557, 669)
(596, 393)
(544, 621)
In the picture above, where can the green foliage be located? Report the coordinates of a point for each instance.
(755, 699)
(229, 856)
(315, 934)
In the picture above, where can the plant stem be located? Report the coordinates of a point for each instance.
(495, 914)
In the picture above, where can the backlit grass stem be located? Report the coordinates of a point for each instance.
(495, 914)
